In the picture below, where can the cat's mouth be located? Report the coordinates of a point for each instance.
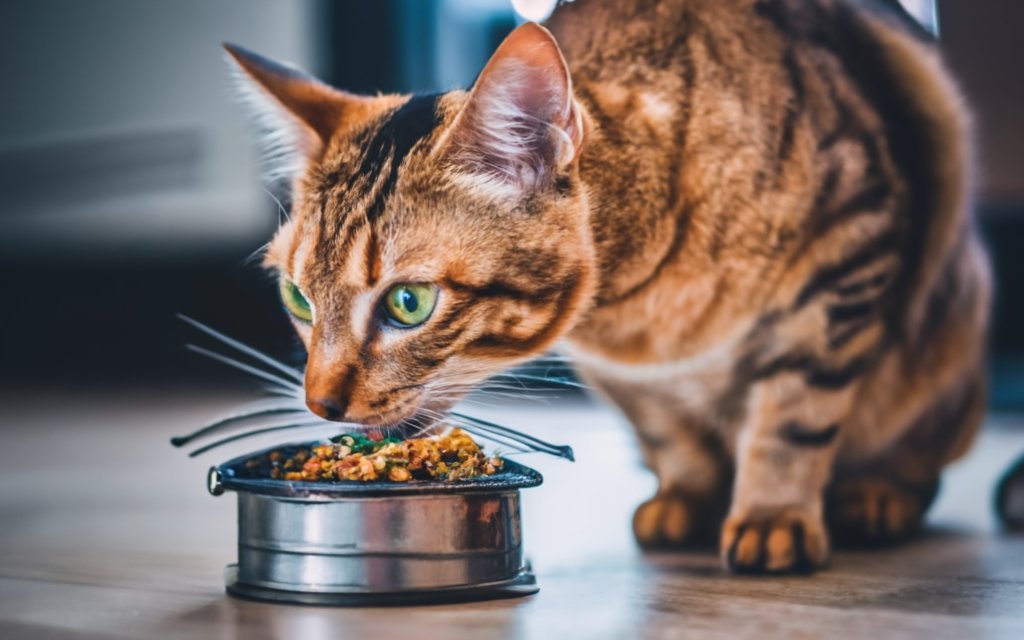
(423, 419)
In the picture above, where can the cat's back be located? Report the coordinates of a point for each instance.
(779, 134)
(601, 39)
(620, 39)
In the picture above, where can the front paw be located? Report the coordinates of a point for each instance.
(666, 521)
(774, 541)
(874, 511)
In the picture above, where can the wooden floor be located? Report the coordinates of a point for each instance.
(93, 547)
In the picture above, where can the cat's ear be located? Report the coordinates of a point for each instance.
(521, 122)
(298, 113)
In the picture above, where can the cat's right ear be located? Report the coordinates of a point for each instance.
(521, 122)
(298, 113)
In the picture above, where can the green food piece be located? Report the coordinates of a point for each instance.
(359, 443)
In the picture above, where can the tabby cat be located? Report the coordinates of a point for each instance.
(747, 221)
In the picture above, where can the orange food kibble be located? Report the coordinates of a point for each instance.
(452, 456)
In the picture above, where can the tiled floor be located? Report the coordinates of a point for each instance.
(108, 532)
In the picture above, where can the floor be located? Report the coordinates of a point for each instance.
(108, 532)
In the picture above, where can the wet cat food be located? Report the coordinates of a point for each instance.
(368, 457)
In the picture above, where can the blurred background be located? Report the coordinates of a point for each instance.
(130, 191)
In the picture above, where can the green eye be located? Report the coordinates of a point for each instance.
(409, 305)
(295, 302)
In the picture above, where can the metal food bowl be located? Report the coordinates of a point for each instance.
(375, 543)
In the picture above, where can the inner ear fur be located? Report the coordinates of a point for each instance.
(520, 122)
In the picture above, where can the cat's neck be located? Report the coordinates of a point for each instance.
(636, 216)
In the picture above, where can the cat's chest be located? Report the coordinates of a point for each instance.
(693, 385)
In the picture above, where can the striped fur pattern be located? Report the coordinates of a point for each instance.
(746, 220)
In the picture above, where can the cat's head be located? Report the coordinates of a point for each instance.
(433, 240)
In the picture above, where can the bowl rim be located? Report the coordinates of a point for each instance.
(226, 476)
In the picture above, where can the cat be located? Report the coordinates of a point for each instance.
(746, 221)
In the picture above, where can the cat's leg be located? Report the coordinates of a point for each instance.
(878, 508)
(690, 463)
(885, 499)
(692, 491)
(784, 458)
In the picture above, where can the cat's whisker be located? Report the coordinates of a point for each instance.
(466, 392)
(545, 372)
(434, 417)
(291, 372)
(258, 253)
(501, 438)
(494, 437)
(563, 451)
(479, 403)
(506, 395)
(480, 432)
(485, 388)
(295, 395)
(258, 432)
(517, 452)
(233, 420)
(282, 215)
(490, 386)
(552, 356)
(557, 381)
(241, 366)
(542, 364)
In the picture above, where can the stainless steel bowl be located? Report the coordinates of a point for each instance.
(354, 543)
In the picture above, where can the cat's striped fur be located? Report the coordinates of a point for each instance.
(748, 219)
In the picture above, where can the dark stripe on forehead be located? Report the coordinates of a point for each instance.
(391, 141)
(384, 146)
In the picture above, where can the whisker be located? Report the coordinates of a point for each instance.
(513, 394)
(496, 439)
(485, 434)
(234, 419)
(289, 393)
(259, 432)
(256, 254)
(475, 398)
(562, 451)
(556, 358)
(557, 381)
(231, 362)
(280, 207)
(476, 430)
(291, 372)
(506, 385)
(517, 452)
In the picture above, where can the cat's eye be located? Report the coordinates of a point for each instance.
(294, 301)
(409, 305)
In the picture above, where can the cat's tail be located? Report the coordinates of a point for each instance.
(931, 135)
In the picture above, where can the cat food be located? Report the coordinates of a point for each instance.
(449, 457)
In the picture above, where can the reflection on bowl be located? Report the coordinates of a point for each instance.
(371, 543)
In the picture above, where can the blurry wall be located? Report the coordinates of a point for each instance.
(120, 134)
(129, 185)
(985, 46)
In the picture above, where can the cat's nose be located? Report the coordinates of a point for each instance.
(329, 384)
(326, 408)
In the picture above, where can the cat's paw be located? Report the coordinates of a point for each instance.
(774, 541)
(874, 511)
(666, 521)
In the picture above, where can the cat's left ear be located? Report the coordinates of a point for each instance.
(299, 114)
(521, 122)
